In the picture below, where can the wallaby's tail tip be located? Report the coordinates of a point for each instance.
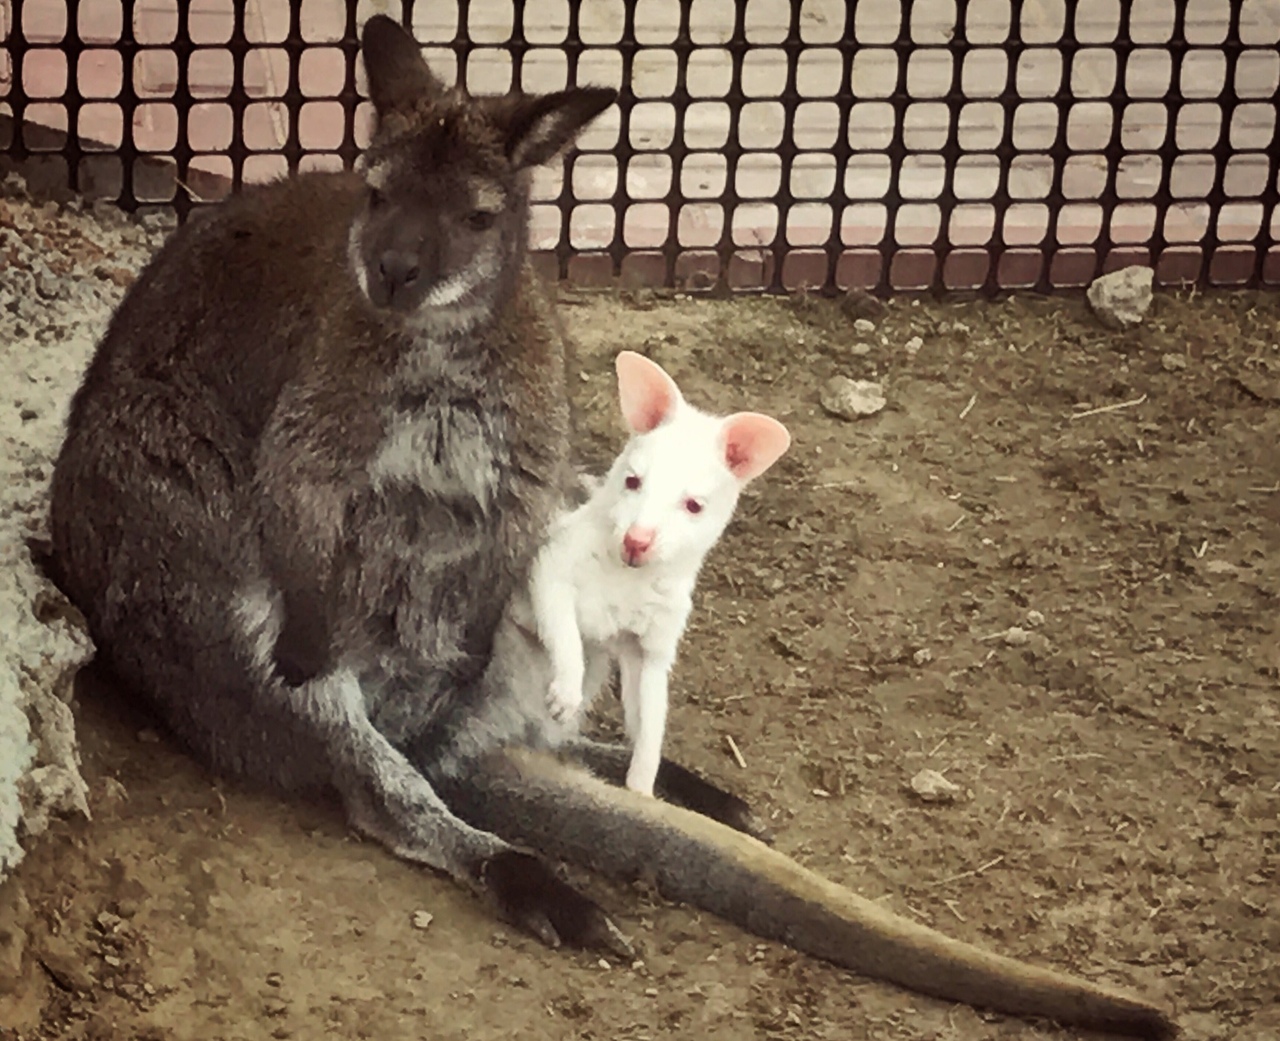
(1138, 1020)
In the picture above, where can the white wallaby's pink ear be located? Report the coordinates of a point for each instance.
(647, 394)
(753, 443)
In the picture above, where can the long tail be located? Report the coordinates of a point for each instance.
(532, 798)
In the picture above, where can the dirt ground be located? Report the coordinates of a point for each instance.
(1117, 756)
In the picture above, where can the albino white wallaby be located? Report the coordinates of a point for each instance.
(619, 571)
(311, 463)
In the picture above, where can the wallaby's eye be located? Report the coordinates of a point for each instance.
(693, 506)
(632, 482)
(376, 199)
(481, 220)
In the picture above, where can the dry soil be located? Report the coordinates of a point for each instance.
(1117, 755)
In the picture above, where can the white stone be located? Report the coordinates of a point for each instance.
(1122, 298)
(931, 786)
(850, 399)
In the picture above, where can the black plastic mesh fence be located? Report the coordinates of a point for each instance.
(883, 144)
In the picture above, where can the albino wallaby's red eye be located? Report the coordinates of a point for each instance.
(693, 506)
(481, 220)
(632, 482)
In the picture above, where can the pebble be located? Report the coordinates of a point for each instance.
(1122, 298)
(846, 398)
(931, 786)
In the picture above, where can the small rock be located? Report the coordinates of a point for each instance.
(1173, 362)
(864, 326)
(114, 791)
(422, 919)
(931, 786)
(1034, 618)
(849, 399)
(1015, 636)
(913, 345)
(158, 221)
(923, 656)
(1122, 298)
(49, 285)
(860, 349)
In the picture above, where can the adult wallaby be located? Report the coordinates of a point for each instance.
(317, 448)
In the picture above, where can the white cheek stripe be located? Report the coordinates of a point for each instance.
(353, 257)
(456, 287)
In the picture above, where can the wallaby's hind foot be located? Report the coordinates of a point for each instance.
(676, 784)
(683, 787)
(527, 892)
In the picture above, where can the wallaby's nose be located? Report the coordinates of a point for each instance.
(636, 544)
(398, 270)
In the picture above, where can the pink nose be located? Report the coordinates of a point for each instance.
(636, 543)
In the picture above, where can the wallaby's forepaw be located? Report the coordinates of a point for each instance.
(564, 698)
(530, 896)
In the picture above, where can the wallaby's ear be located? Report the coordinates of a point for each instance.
(537, 128)
(753, 443)
(647, 394)
(398, 74)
